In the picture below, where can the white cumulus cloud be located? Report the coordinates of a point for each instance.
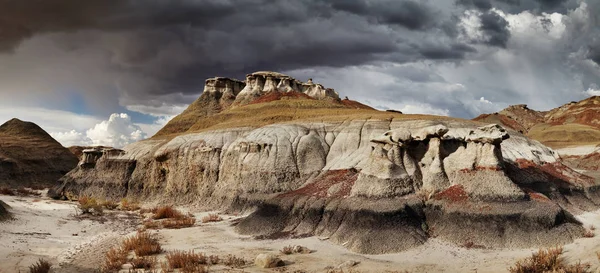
(117, 132)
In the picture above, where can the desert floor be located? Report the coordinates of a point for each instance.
(45, 228)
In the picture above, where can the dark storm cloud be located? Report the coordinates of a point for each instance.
(594, 53)
(515, 6)
(407, 13)
(170, 47)
(495, 29)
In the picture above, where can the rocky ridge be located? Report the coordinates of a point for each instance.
(375, 182)
(222, 93)
(575, 123)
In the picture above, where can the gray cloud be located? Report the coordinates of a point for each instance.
(151, 55)
(495, 28)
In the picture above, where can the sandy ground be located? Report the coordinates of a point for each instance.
(45, 228)
(49, 229)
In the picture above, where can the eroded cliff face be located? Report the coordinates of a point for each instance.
(375, 186)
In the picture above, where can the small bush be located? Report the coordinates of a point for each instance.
(287, 250)
(233, 261)
(89, 205)
(194, 268)
(214, 259)
(149, 224)
(109, 204)
(183, 259)
(143, 262)
(142, 244)
(127, 205)
(41, 266)
(167, 212)
(212, 217)
(115, 258)
(7, 191)
(548, 260)
(178, 223)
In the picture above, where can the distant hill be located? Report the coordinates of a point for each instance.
(30, 156)
(573, 124)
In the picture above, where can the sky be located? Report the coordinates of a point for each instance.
(111, 72)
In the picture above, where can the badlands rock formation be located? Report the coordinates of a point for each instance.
(372, 181)
(29, 156)
(222, 93)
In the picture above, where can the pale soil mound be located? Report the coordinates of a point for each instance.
(30, 156)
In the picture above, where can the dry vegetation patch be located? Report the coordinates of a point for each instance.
(166, 212)
(127, 205)
(142, 244)
(547, 260)
(211, 217)
(90, 205)
(41, 266)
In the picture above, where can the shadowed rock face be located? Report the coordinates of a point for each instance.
(29, 156)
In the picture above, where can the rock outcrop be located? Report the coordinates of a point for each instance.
(223, 93)
(372, 181)
(29, 156)
(574, 123)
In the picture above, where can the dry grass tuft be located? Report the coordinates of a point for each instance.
(183, 259)
(114, 259)
(149, 224)
(212, 217)
(588, 233)
(7, 191)
(142, 244)
(89, 205)
(233, 261)
(167, 212)
(127, 205)
(547, 260)
(179, 223)
(213, 259)
(287, 250)
(143, 262)
(109, 204)
(41, 266)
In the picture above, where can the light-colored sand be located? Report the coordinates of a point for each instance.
(83, 253)
(49, 229)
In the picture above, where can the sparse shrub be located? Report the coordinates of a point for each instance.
(183, 259)
(178, 223)
(109, 204)
(167, 212)
(114, 259)
(194, 268)
(588, 233)
(149, 224)
(127, 205)
(547, 260)
(287, 250)
(7, 191)
(41, 266)
(233, 261)
(212, 217)
(89, 205)
(214, 259)
(143, 262)
(142, 244)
